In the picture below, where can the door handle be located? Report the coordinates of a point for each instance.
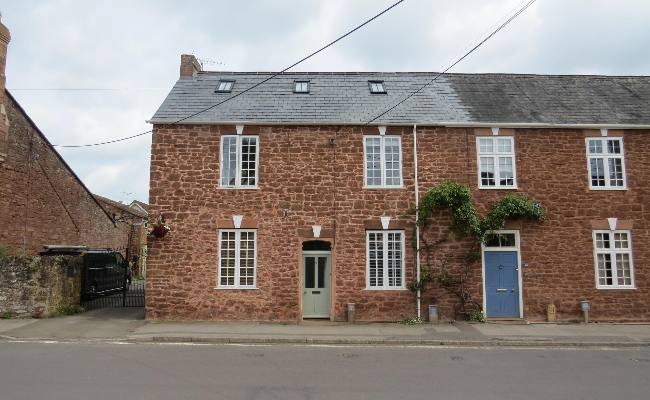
(512, 290)
(500, 266)
(305, 292)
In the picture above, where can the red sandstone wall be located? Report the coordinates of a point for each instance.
(299, 172)
(41, 199)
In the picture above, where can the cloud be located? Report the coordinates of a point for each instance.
(119, 44)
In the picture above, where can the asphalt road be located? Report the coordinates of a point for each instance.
(38, 370)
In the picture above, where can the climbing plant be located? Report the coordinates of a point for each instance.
(464, 223)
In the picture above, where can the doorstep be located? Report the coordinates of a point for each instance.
(507, 321)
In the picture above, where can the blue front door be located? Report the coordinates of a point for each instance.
(501, 284)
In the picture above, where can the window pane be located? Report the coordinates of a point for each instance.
(494, 241)
(227, 260)
(597, 172)
(247, 258)
(623, 270)
(506, 175)
(614, 147)
(228, 161)
(602, 241)
(376, 258)
(487, 171)
(595, 147)
(504, 145)
(620, 241)
(486, 145)
(376, 87)
(249, 150)
(507, 239)
(310, 272)
(615, 171)
(322, 266)
(392, 161)
(395, 256)
(373, 161)
(605, 277)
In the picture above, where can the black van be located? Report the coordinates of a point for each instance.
(105, 271)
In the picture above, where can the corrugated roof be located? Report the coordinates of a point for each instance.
(479, 98)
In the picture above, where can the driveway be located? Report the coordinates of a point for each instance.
(97, 323)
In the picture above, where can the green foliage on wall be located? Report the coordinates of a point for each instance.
(465, 223)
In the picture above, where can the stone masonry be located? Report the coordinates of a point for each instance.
(36, 287)
(305, 181)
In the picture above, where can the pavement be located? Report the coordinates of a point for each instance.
(128, 325)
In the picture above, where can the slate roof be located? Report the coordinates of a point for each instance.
(144, 206)
(474, 98)
(120, 206)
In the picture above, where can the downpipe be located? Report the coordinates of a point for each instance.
(417, 217)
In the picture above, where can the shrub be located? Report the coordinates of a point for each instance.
(410, 321)
(67, 309)
(477, 316)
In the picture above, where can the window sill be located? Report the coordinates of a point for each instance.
(396, 289)
(236, 288)
(238, 187)
(599, 188)
(384, 187)
(615, 288)
(498, 187)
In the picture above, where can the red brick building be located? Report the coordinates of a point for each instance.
(131, 222)
(287, 201)
(42, 199)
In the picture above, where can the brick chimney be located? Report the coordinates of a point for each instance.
(189, 65)
(4, 41)
(4, 109)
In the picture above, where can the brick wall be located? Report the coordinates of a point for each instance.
(43, 202)
(319, 185)
(5, 37)
(189, 66)
(130, 232)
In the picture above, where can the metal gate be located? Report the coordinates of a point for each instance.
(109, 285)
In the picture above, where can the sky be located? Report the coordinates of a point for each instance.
(126, 56)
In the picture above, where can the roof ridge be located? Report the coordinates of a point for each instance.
(414, 73)
(119, 205)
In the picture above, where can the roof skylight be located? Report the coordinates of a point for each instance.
(224, 86)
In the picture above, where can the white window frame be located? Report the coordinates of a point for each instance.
(383, 184)
(238, 173)
(495, 155)
(606, 157)
(238, 233)
(613, 251)
(385, 277)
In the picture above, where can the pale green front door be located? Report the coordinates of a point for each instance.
(316, 284)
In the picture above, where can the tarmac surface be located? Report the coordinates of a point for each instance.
(129, 325)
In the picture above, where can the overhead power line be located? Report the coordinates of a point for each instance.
(88, 89)
(515, 15)
(244, 91)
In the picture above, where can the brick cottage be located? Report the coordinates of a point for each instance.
(42, 200)
(287, 201)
